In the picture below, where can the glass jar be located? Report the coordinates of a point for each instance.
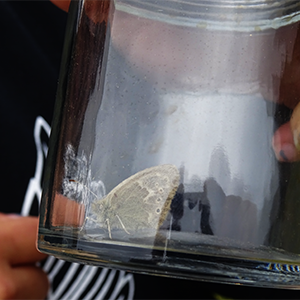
(172, 151)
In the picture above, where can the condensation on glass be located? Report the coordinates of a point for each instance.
(171, 149)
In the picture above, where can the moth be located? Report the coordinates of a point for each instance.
(141, 201)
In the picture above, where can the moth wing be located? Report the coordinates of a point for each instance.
(143, 200)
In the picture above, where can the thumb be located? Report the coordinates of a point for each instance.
(283, 144)
(286, 140)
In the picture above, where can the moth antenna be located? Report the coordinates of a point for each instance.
(122, 224)
(85, 220)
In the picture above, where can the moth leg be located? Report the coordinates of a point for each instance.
(122, 224)
(108, 227)
(85, 221)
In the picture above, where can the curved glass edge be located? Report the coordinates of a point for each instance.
(235, 17)
(200, 267)
(259, 274)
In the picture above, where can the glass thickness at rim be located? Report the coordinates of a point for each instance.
(243, 16)
(161, 262)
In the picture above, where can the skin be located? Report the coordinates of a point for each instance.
(62, 4)
(20, 278)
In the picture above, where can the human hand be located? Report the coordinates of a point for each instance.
(286, 140)
(20, 278)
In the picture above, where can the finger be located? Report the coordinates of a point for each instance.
(283, 144)
(18, 240)
(67, 212)
(62, 4)
(295, 126)
(24, 282)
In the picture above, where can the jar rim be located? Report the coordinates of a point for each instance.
(230, 15)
